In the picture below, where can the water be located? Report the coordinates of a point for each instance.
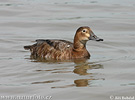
(109, 72)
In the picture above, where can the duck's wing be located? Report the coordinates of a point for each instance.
(55, 44)
(56, 49)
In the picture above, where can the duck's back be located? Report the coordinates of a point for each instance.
(51, 49)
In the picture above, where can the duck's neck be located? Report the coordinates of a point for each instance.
(79, 45)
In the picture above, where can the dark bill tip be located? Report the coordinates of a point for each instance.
(94, 37)
(99, 40)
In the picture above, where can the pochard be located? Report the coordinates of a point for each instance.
(54, 49)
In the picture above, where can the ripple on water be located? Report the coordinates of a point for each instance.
(80, 69)
(43, 82)
(8, 4)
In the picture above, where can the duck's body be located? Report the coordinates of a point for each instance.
(56, 49)
(62, 49)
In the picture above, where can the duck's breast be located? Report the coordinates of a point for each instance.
(81, 54)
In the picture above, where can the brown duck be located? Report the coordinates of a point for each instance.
(53, 49)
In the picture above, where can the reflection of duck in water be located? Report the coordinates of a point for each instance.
(82, 70)
(62, 49)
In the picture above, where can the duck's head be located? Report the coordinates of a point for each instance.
(83, 34)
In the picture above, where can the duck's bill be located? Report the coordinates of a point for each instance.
(94, 37)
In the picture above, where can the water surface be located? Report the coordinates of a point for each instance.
(109, 71)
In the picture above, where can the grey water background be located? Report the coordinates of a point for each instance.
(109, 71)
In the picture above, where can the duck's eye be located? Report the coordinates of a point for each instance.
(84, 31)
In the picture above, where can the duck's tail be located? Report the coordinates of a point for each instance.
(27, 47)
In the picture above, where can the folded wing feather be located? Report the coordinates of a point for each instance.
(52, 49)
